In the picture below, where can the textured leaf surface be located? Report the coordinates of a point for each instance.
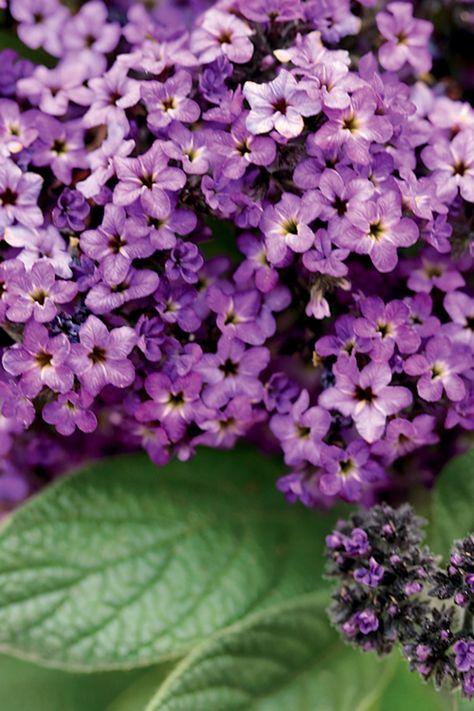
(284, 659)
(453, 511)
(125, 564)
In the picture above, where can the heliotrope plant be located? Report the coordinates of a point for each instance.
(248, 219)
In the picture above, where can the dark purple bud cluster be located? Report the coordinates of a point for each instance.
(389, 593)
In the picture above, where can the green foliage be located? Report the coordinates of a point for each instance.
(452, 515)
(287, 658)
(125, 564)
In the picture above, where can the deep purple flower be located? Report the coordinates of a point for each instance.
(286, 226)
(113, 94)
(464, 651)
(404, 436)
(301, 431)
(18, 196)
(365, 396)
(240, 148)
(168, 101)
(100, 357)
(116, 242)
(71, 211)
(241, 315)
(370, 576)
(36, 293)
(453, 165)
(108, 294)
(184, 262)
(384, 326)
(40, 361)
(347, 472)
(70, 411)
(147, 174)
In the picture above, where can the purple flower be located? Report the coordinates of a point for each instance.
(101, 161)
(165, 222)
(404, 436)
(173, 403)
(18, 196)
(184, 262)
(241, 315)
(36, 293)
(39, 23)
(168, 101)
(378, 230)
(364, 622)
(222, 34)
(177, 305)
(281, 104)
(189, 148)
(453, 165)
(70, 411)
(301, 431)
(42, 245)
(407, 38)
(108, 295)
(59, 146)
(41, 361)
(17, 129)
(286, 226)
(116, 242)
(346, 472)
(324, 258)
(89, 30)
(464, 652)
(71, 211)
(384, 326)
(357, 543)
(370, 576)
(225, 426)
(147, 174)
(240, 149)
(112, 95)
(365, 396)
(355, 128)
(53, 89)
(100, 357)
(460, 307)
(232, 371)
(438, 369)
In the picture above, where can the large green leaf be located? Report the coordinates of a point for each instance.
(27, 687)
(125, 564)
(452, 509)
(286, 659)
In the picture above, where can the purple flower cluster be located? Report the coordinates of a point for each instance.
(234, 229)
(389, 593)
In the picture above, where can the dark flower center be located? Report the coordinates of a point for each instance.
(176, 399)
(291, 226)
(460, 168)
(364, 394)
(225, 37)
(350, 124)
(114, 96)
(231, 318)
(90, 39)
(39, 296)
(9, 197)
(98, 355)
(469, 320)
(376, 230)
(280, 105)
(120, 288)
(340, 206)
(229, 368)
(38, 17)
(243, 148)
(116, 243)
(43, 359)
(59, 146)
(303, 432)
(148, 181)
(346, 467)
(168, 103)
(384, 329)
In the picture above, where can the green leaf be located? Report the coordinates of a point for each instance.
(9, 40)
(286, 659)
(452, 510)
(407, 690)
(25, 686)
(126, 564)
